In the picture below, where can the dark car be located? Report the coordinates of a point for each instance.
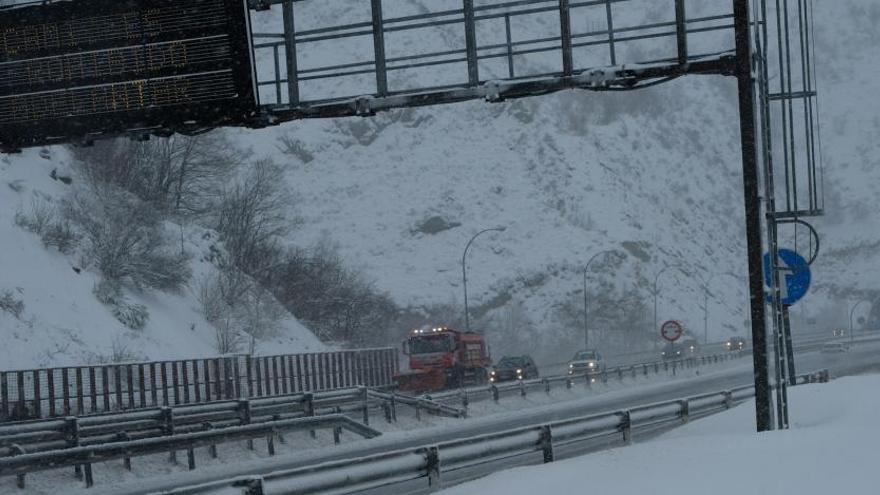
(672, 351)
(511, 368)
(735, 344)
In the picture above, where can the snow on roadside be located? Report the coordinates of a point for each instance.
(831, 446)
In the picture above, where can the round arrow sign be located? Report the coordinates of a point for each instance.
(671, 330)
(794, 277)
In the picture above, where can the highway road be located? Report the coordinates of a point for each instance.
(862, 358)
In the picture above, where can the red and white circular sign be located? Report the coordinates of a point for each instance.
(671, 330)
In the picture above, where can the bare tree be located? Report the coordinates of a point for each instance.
(239, 309)
(178, 175)
(251, 215)
(125, 239)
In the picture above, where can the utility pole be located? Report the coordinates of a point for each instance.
(752, 201)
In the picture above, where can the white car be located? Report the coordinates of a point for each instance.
(835, 347)
(589, 361)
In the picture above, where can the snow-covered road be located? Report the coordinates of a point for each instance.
(861, 358)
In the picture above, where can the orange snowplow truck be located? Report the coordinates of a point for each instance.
(441, 358)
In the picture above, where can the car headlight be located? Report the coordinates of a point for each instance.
(592, 365)
(570, 366)
(493, 373)
(518, 371)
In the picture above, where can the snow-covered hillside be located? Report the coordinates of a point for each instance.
(62, 322)
(655, 174)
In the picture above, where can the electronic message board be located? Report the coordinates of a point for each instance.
(79, 69)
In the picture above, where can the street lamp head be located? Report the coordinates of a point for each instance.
(501, 228)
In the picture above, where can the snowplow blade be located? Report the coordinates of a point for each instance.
(419, 381)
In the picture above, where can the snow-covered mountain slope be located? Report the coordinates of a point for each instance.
(62, 322)
(656, 174)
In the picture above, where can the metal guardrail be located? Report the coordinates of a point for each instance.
(523, 387)
(84, 456)
(430, 463)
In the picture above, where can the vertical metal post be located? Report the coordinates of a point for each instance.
(510, 69)
(748, 136)
(586, 315)
(379, 48)
(681, 32)
(789, 348)
(565, 34)
(290, 52)
(470, 36)
(610, 25)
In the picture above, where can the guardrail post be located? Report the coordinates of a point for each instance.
(309, 409)
(656, 368)
(167, 415)
(588, 380)
(522, 389)
(633, 369)
(568, 383)
(546, 443)
(366, 405)
(625, 426)
(728, 399)
(620, 373)
(281, 439)
(244, 417)
(270, 442)
(546, 385)
(72, 428)
(386, 408)
(123, 436)
(18, 450)
(824, 376)
(464, 399)
(674, 367)
(645, 370)
(685, 412)
(90, 480)
(495, 393)
(432, 458)
(191, 457)
(212, 449)
(604, 376)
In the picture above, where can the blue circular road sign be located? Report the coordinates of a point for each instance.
(794, 273)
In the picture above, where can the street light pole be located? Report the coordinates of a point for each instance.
(851, 312)
(586, 316)
(706, 308)
(467, 321)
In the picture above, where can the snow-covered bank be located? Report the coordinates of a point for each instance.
(831, 446)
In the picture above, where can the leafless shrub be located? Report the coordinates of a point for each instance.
(125, 240)
(240, 311)
(45, 221)
(296, 148)
(11, 304)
